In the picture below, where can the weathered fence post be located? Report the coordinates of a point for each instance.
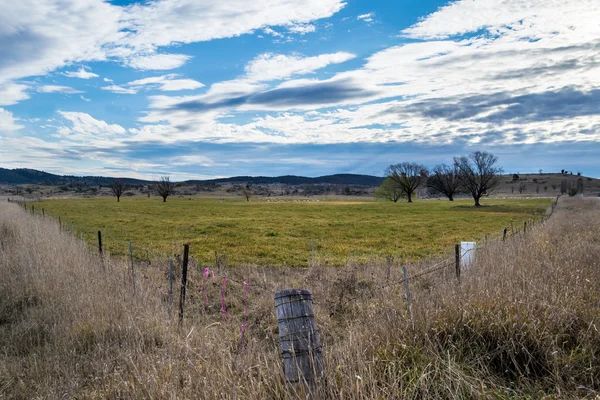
(100, 242)
(408, 297)
(33, 209)
(524, 227)
(300, 343)
(457, 260)
(184, 268)
(132, 265)
(504, 234)
(170, 288)
(43, 213)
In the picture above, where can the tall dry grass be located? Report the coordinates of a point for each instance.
(523, 322)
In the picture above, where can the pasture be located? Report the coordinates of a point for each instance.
(288, 232)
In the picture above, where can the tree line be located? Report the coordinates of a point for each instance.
(477, 174)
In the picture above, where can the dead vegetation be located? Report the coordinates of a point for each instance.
(524, 322)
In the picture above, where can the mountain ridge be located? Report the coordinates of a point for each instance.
(23, 176)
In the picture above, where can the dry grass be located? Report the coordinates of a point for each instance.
(522, 324)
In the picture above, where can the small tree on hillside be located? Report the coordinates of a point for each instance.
(409, 176)
(389, 190)
(479, 174)
(445, 180)
(165, 187)
(117, 187)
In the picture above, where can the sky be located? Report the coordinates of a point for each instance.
(198, 89)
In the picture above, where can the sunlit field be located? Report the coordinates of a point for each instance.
(288, 233)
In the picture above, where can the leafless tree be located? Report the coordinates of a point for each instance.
(409, 176)
(246, 192)
(479, 174)
(389, 190)
(164, 187)
(522, 188)
(445, 180)
(117, 187)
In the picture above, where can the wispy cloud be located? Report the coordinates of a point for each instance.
(81, 73)
(57, 89)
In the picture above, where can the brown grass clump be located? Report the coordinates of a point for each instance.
(523, 323)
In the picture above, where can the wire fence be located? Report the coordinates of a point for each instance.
(208, 274)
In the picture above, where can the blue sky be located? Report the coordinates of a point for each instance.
(201, 89)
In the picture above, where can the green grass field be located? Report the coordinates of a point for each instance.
(288, 233)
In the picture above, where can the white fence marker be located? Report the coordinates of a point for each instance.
(467, 254)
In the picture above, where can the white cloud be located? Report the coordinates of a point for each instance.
(269, 66)
(272, 32)
(83, 127)
(119, 89)
(85, 99)
(40, 36)
(162, 23)
(368, 17)
(302, 29)
(82, 73)
(167, 83)
(12, 93)
(57, 89)
(157, 61)
(8, 123)
(532, 19)
(108, 80)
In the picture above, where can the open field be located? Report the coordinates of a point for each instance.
(523, 323)
(288, 233)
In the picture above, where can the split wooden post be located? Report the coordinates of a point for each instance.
(100, 242)
(504, 234)
(408, 297)
(170, 288)
(132, 265)
(457, 261)
(524, 227)
(300, 343)
(184, 268)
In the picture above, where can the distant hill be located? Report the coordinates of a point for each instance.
(337, 179)
(23, 176)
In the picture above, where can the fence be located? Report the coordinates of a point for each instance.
(301, 364)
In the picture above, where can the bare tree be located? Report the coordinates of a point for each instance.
(409, 176)
(522, 188)
(246, 192)
(479, 174)
(117, 187)
(389, 190)
(164, 187)
(445, 180)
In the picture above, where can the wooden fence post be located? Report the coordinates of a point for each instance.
(524, 227)
(170, 288)
(43, 213)
(408, 297)
(504, 234)
(300, 343)
(457, 261)
(33, 210)
(184, 268)
(100, 242)
(59, 224)
(132, 265)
